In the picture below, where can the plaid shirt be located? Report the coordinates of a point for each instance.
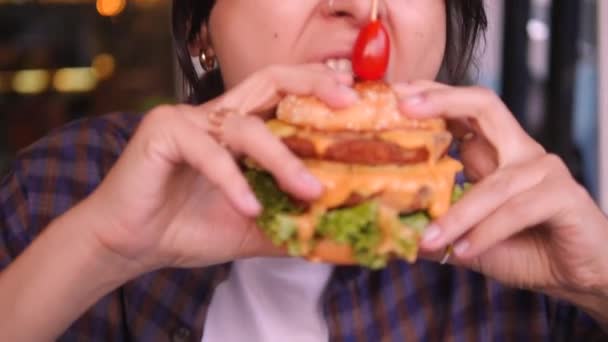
(421, 302)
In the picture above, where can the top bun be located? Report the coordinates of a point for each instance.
(376, 110)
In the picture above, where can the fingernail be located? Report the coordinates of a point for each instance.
(431, 234)
(311, 182)
(461, 247)
(251, 204)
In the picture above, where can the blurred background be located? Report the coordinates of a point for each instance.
(62, 60)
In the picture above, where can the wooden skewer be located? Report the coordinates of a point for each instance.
(374, 10)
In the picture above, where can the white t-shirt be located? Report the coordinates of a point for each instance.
(269, 299)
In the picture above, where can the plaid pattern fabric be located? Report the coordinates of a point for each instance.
(421, 302)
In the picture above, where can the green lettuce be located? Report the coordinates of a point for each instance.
(417, 221)
(356, 226)
(459, 191)
(276, 217)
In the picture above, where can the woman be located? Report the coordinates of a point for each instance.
(108, 240)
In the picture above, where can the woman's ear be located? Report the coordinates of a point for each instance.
(201, 52)
(201, 42)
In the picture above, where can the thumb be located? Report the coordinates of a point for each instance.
(478, 157)
(256, 244)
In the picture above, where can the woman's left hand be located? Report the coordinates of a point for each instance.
(526, 222)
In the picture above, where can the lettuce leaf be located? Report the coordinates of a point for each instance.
(408, 232)
(459, 191)
(358, 227)
(275, 219)
(417, 221)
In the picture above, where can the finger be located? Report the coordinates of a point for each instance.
(478, 157)
(476, 153)
(527, 209)
(517, 214)
(461, 129)
(255, 243)
(194, 146)
(408, 89)
(249, 135)
(490, 117)
(481, 201)
(262, 91)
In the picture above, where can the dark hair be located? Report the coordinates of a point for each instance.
(466, 24)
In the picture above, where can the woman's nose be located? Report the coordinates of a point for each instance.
(356, 11)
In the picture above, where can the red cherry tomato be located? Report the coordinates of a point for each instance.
(371, 53)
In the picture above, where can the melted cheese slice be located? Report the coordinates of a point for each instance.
(403, 183)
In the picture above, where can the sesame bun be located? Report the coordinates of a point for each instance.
(376, 110)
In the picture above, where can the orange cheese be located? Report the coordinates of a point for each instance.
(403, 183)
(306, 226)
(396, 188)
(330, 251)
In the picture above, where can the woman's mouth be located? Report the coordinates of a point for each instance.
(340, 64)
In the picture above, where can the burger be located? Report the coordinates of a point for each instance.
(385, 176)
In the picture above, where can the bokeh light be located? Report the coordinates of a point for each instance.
(110, 8)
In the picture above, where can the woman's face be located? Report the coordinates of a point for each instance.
(249, 35)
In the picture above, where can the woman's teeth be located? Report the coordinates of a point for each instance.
(340, 64)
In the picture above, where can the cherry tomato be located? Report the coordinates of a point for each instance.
(371, 52)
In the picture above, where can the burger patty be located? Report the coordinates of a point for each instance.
(358, 151)
(398, 147)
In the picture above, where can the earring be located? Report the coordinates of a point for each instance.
(207, 60)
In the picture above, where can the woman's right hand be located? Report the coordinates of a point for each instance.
(176, 197)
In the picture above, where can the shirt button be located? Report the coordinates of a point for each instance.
(182, 334)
